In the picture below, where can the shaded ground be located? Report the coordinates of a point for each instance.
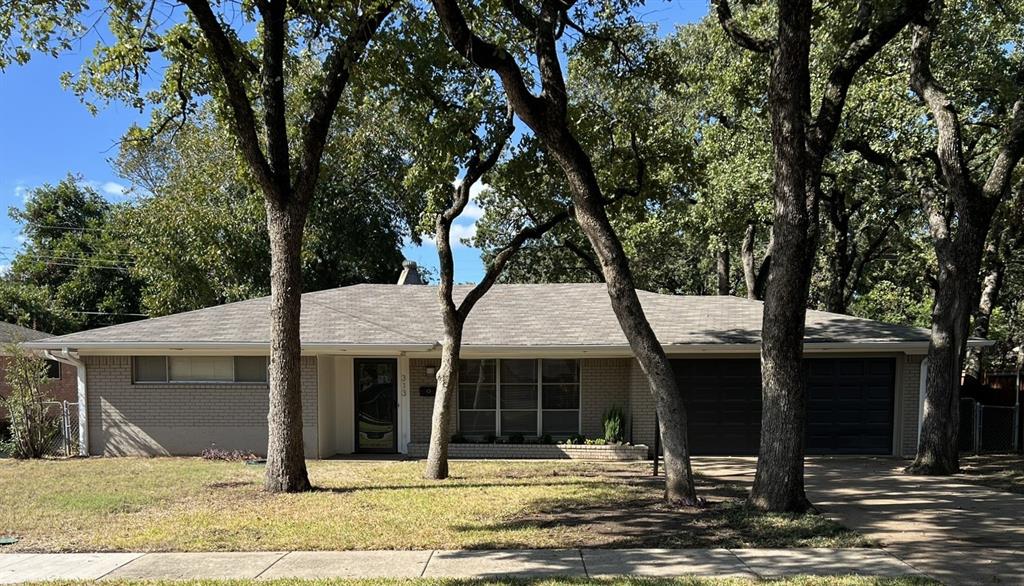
(948, 527)
(797, 581)
(184, 504)
(998, 471)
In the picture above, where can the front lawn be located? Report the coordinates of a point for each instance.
(189, 504)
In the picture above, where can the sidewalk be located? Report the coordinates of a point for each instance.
(536, 563)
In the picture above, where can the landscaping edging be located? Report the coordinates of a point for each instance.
(538, 451)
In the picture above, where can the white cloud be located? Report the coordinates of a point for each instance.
(463, 231)
(21, 191)
(114, 189)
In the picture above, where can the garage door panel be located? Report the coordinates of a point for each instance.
(849, 404)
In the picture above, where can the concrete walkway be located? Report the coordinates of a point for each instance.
(949, 529)
(538, 563)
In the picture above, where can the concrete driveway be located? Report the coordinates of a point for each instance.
(954, 531)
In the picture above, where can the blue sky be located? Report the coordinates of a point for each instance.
(46, 133)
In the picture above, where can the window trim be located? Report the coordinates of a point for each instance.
(539, 432)
(169, 381)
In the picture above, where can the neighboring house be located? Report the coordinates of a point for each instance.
(62, 376)
(538, 359)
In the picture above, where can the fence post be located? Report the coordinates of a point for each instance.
(657, 441)
(978, 413)
(65, 418)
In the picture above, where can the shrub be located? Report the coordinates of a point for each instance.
(228, 455)
(459, 439)
(516, 438)
(490, 439)
(576, 439)
(614, 430)
(33, 427)
(597, 441)
(546, 439)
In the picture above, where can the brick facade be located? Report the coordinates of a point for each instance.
(180, 419)
(604, 383)
(907, 399)
(183, 419)
(421, 408)
(64, 388)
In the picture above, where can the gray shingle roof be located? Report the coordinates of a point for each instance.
(509, 315)
(15, 333)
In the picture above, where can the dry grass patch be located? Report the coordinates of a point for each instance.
(999, 471)
(188, 504)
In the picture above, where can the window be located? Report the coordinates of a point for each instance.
(560, 390)
(529, 397)
(518, 397)
(150, 369)
(200, 369)
(477, 397)
(52, 369)
(251, 369)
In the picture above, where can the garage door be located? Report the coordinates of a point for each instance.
(849, 409)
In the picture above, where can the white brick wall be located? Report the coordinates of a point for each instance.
(183, 419)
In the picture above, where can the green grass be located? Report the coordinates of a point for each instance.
(794, 581)
(188, 504)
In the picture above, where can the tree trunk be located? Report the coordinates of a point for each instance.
(754, 277)
(723, 267)
(990, 288)
(779, 480)
(747, 256)
(842, 265)
(938, 451)
(286, 464)
(441, 424)
(668, 399)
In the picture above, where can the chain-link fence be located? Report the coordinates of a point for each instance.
(64, 441)
(988, 428)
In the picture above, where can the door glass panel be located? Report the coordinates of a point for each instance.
(375, 405)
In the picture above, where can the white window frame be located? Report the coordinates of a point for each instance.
(539, 432)
(169, 381)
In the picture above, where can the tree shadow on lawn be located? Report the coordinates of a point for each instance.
(647, 521)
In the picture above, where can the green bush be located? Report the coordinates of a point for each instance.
(576, 439)
(516, 438)
(597, 441)
(614, 429)
(32, 426)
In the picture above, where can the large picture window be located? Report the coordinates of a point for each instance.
(530, 397)
(200, 369)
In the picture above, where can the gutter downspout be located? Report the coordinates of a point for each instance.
(83, 397)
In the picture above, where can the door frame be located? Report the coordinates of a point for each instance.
(355, 410)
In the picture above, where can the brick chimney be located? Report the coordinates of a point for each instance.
(410, 274)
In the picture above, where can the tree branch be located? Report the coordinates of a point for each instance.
(337, 71)
(735, 31)
(242, 116)
(489, 56)
(950, 142)
(866, 42)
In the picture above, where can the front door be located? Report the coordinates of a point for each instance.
(376, 405)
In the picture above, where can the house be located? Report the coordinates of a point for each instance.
(538, 360)
(61, 376)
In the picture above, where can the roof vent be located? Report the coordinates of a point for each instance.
(410, 274)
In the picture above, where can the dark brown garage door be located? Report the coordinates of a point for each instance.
(849, 409)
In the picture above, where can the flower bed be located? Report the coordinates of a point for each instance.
(618, 452)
